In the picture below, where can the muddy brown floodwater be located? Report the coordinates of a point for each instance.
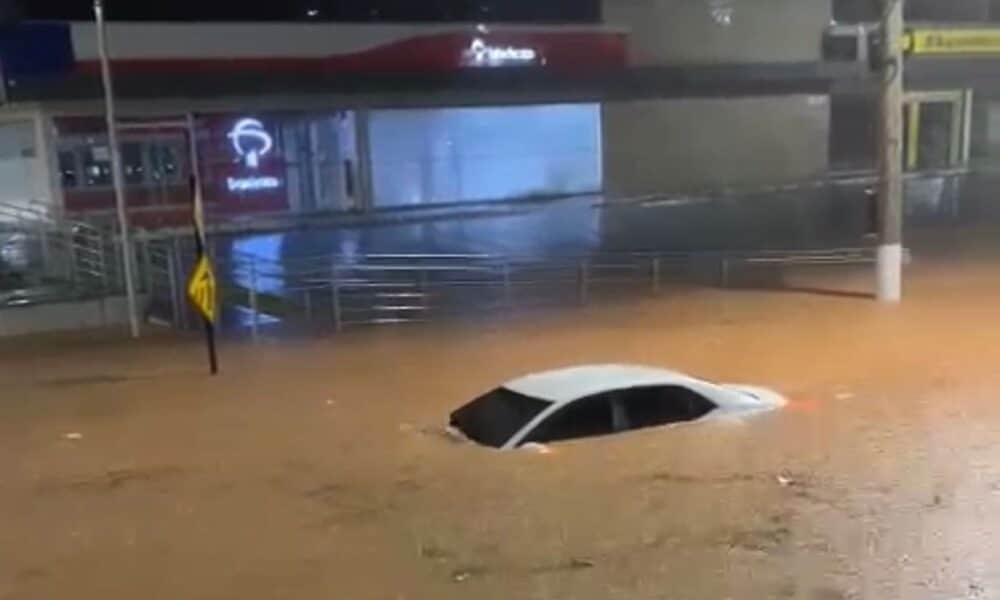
(318, 469)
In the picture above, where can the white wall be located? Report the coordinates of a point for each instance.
(705, 31)
(23, 170)
(662, 146)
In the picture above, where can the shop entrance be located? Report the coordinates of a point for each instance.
(936, 130)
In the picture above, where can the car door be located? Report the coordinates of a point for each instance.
(587, 417)
(662, 405)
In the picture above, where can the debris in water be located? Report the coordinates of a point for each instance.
(73, 436)
(785, 480)
(464, 574)
(844, 396)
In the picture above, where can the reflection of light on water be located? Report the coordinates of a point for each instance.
(244, 317)
(264, 252)
(349, 248)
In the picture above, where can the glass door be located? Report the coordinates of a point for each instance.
(935, 130)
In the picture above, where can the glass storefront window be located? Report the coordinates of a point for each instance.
(132, 166)
(163, 163)
(450, 155)
(87, 163)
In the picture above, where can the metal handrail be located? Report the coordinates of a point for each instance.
(358, 289)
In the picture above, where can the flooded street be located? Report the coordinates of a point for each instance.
(319, 469)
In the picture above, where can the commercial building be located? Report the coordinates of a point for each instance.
(365, 119)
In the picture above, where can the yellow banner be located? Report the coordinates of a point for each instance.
(202, 289)
(954, 41)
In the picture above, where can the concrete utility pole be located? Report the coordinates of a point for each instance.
(890, 211)
(116, 171)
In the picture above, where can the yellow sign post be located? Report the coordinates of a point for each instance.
(202, 289)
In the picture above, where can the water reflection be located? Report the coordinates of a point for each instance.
(824, 217)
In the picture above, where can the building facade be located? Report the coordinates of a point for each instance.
(364, 119)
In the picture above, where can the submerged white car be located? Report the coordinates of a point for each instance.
(599, 400)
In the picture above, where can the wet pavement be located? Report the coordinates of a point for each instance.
(319, 468)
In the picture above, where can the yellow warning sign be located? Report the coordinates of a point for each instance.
(202, 289)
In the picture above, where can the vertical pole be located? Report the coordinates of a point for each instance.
(584, 282)
(199, 208)
(889, 268)
(102, 263)
(48, 269)
(656, 275)
(116, 170)
(338, 323)
(176, 296)
(178, 262)
(913, 134)
(366, 183)
(338, 320)
(253, 301)
(146, 266)
(508, 290)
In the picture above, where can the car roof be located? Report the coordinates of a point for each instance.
(566, 385)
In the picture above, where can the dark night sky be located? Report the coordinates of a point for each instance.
(331, 10)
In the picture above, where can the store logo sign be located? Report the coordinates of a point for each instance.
(251, 142)
(481, 54)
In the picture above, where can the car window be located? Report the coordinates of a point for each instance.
(622, 410)
(584, 418)
(661, 405)
(494, 418)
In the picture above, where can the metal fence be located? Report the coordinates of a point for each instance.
(43, 258)
(334, 293)
(62, 260)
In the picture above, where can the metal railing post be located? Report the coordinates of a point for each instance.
(584, 282)
(176, 311)
(74, 267)
(308, 305)
(656, 275)
(724, 271)
(178, 263)
(338, 323)
(508, 291)
(145, 266)
(43, 240)
(102, 264)
(252, 301)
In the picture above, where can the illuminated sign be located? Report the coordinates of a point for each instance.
(251, 142)
(953, 41)
(252, 184)
(481, 54)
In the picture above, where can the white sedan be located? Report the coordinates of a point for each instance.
(598, 400)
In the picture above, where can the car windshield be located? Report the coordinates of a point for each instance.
(494, 418)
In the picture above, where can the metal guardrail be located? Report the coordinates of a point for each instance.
(46, 258)
(340, 292)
